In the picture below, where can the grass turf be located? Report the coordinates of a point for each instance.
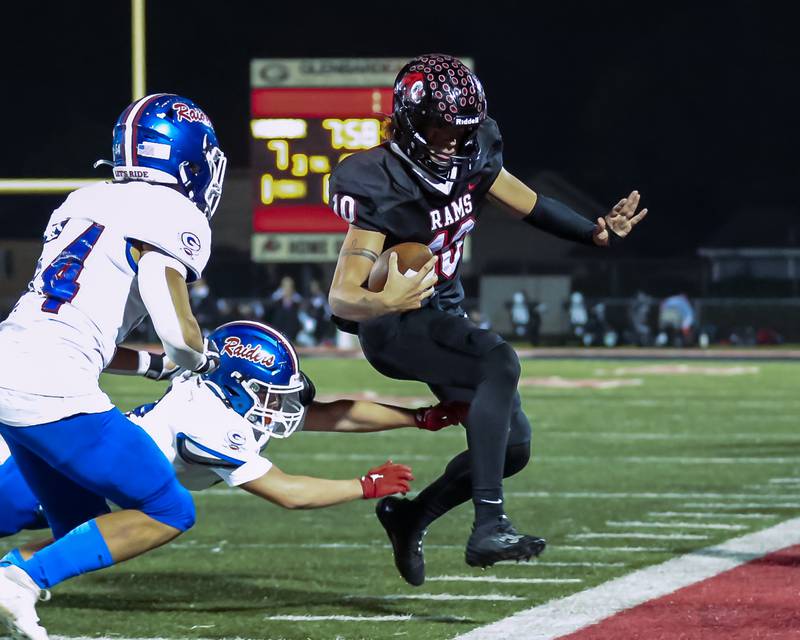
(604, 462)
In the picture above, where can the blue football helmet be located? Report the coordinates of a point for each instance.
(167, 139)
(259, 377)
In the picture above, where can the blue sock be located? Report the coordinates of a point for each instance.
(82, 550)
(12, 557)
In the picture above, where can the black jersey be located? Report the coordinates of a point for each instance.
(379, 190)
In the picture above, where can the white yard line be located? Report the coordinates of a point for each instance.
(390, 618)
(219, 546)
(223, 545)
(637, 536)
(567, 615)
(702, 459)
(594, 549)
(743, 505)
(649, 435)
(489, 597)
(638, 524)
(710, 514)
(543, 563)
(497, 580)
(645, 495)
(770, 489)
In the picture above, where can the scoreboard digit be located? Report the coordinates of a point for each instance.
(306, 116)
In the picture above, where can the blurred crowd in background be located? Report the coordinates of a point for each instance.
(643, 320)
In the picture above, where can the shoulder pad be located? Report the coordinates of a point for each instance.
(366, 185)
(175, 225)
(489, 134)
(154, 214)
(361, 174)
(194, 451)
(490, 161)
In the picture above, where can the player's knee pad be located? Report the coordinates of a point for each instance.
(517, 456)
(501, 364)
(172, 506)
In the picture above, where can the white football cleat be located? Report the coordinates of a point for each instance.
(18, 596)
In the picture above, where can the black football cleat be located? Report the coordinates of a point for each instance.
(406, 538)
(498, 540)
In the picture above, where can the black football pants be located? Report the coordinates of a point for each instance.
(459, 361)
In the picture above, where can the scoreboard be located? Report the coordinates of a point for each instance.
(306, 115)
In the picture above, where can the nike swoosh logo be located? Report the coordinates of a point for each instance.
(509, 539)
(492, 501)
(471, 185)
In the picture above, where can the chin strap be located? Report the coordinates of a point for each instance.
(443, 186)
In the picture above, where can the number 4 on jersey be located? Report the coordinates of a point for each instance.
(60, 278)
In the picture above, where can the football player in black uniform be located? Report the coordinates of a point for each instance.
(425, 185)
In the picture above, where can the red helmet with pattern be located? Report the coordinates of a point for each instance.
(438, 91)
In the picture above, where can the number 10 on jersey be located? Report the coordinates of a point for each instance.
(449, 250)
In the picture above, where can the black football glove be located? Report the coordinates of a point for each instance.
(160, 367)
(210, 360)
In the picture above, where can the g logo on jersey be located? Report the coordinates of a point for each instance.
(191, 244)
(236, 440)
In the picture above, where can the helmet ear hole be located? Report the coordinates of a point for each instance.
(231, 390)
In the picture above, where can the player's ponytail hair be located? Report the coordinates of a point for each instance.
(387, 127)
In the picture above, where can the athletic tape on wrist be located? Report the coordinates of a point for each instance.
(144, 363)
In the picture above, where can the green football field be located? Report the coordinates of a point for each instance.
(678, 457)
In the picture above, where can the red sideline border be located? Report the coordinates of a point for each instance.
(566, 617)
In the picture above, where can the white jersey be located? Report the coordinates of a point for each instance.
(84, 298)
(5, 454)
(202, 438)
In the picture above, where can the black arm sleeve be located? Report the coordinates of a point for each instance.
(557, 218)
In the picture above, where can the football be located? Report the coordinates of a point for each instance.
(411, 257)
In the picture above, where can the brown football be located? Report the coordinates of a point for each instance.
(411, 257)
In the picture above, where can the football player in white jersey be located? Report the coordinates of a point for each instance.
(113, 253)
(214, 427)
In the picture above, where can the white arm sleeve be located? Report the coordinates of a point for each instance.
(155, 294)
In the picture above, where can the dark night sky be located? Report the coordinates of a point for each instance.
(695, 104)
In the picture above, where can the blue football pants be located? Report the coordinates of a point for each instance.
(19, 508)
(75, 464)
